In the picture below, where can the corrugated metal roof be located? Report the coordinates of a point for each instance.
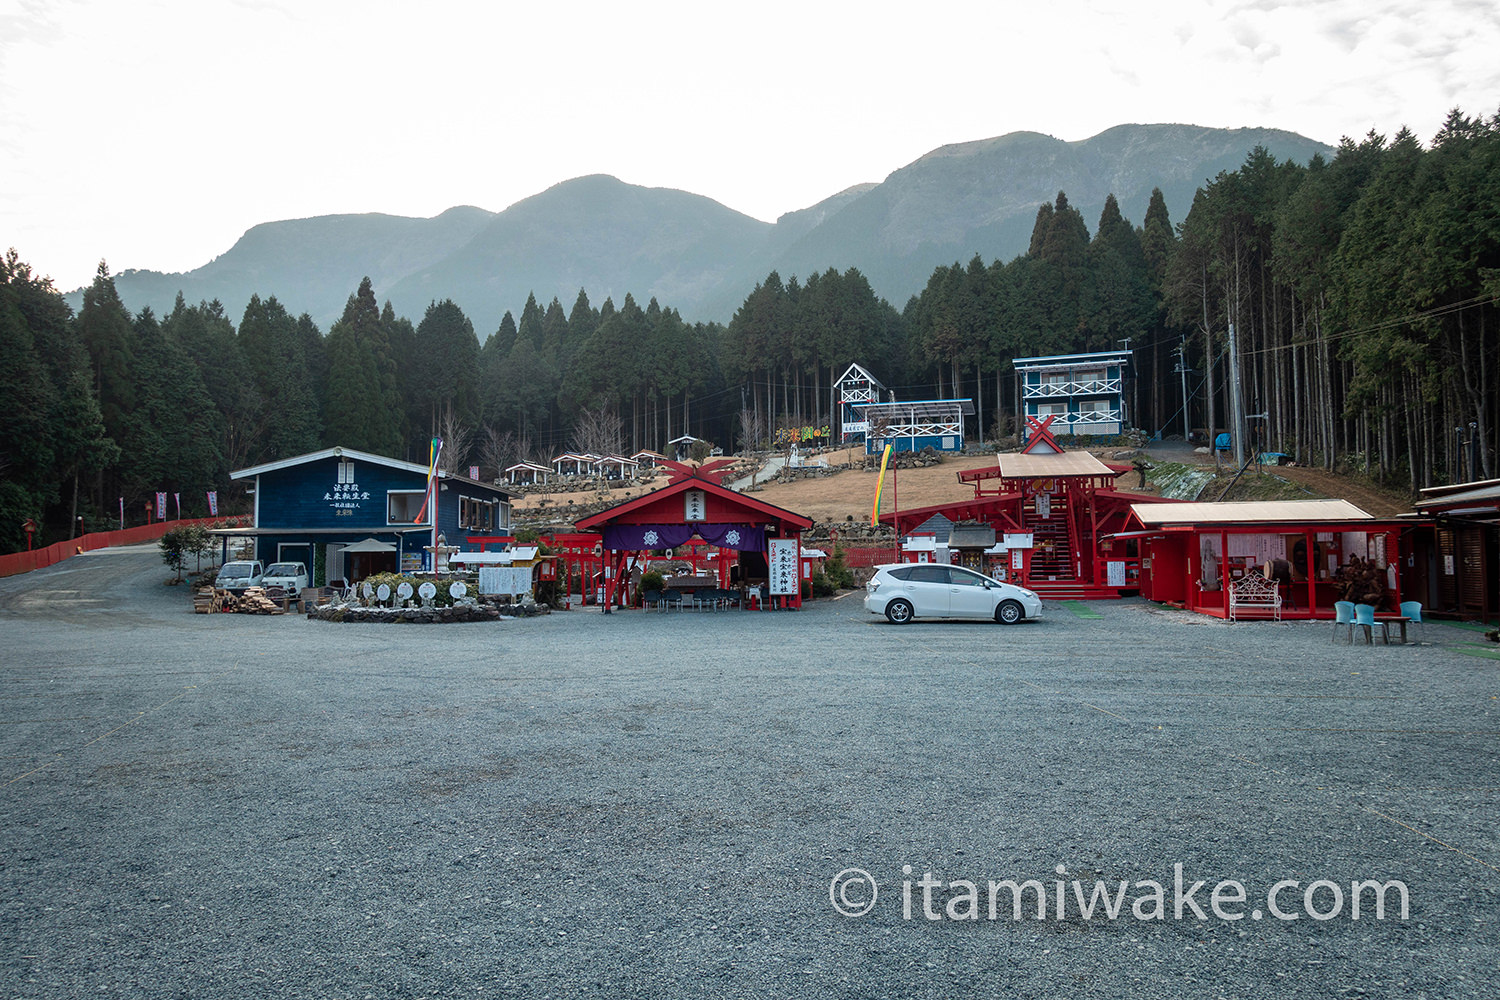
(1484, 491)
(1249, 510)
(970, 536)
(1050, 466)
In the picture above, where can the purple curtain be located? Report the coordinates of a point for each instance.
(635, 537)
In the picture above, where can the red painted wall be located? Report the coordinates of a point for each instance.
(25, 562)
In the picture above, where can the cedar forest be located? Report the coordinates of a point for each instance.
(1363, 291)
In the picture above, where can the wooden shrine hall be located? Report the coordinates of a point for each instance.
(1054, 509)
(759, 544)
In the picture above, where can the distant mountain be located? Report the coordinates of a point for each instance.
(693, 253)
(595, 233)
(982, 197)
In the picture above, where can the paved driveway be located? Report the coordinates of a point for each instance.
(657, 804)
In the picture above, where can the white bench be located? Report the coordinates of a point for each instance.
(1253, 592)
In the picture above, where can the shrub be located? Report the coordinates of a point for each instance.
(821, 585)
(174, 552)
(839, 574)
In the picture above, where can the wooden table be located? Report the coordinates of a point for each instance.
(1385, 624)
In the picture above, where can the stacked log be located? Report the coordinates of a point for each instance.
(207, 601)
(252, 602)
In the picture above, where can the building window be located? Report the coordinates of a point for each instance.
(477, 515)
(402, 507)
(346, 472)
(1052, 409)
(1095, 406)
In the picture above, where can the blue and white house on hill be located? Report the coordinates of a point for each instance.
(1083, 393)
(348, 514)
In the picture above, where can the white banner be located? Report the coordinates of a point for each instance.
(783, 565)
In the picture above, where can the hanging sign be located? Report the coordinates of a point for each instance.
(1044, 506)
(783, 565)
(694, 508)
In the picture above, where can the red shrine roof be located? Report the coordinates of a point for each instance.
(721, 505)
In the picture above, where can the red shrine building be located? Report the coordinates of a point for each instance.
(756, 543)
(1052, 510)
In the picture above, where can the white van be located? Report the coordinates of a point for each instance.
(239, 576)
(291, 576)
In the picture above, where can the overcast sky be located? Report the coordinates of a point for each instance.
(152, 133)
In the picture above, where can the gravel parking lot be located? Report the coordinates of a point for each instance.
(657, 804)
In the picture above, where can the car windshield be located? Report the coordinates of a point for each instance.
(284, 569)
(235, 569)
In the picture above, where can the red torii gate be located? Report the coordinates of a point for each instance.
(695, 502)
(1065, 500)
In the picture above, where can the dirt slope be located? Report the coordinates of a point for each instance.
(850, 493)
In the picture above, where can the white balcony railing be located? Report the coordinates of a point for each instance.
(1090, 387)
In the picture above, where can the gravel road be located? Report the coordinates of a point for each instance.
(656, 805)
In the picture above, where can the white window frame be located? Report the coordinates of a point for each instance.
(408, 493)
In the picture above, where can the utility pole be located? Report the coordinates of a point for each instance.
(1183, 370)
(1236, 404)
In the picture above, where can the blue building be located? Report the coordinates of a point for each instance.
(348, 514)
(1083, 393)
(915, 425)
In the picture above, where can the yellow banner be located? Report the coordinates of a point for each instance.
(885, 458)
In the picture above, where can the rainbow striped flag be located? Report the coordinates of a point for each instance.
(885, 458)
(434, 451)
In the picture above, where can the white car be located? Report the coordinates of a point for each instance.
(290, 576)
(903, 591)
(239, 576)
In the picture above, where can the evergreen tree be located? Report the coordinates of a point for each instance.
(364, 406)
(277, 355)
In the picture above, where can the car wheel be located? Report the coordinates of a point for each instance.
(899, 612)
(1009, 612)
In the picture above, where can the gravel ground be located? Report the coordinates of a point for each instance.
(655, 805)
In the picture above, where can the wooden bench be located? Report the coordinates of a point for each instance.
(1253, 592)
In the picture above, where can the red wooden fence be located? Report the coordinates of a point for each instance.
(25, 562)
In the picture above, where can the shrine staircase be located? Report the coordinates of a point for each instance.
(1052, 575)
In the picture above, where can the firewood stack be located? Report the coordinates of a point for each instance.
(252, 602)
(208, 601)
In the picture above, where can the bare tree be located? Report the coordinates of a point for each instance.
(457, 443)
(498, 450)
(750, 435)
(599, 432)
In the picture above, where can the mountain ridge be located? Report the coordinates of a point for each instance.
(695, 254)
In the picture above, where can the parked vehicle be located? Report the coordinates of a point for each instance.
(903, 591)
(239, 576)
(291, 576)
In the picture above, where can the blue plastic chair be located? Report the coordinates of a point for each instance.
(1364, 617)
(1343, 617)
(1413, 610)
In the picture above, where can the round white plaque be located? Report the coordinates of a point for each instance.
(427, 590)
(403, 590)
(383, 592)
(457, 590)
